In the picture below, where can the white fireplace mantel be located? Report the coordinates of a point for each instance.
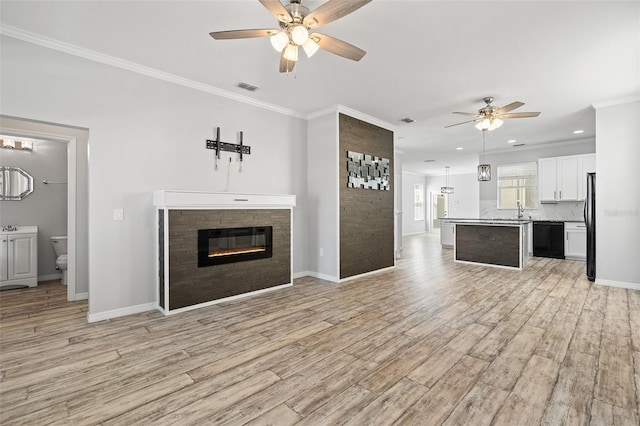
(222, 200)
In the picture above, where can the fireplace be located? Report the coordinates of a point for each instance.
(230, 245)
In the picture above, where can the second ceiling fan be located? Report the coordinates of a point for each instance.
(491, 117)
(296, 23)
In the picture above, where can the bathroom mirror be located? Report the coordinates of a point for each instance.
(15, 184)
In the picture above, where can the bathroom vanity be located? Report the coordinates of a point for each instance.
(19, 257)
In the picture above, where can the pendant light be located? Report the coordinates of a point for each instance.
(484, 169)
(446, 189)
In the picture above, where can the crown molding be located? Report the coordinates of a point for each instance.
(113, 61)
(335, 109)
(539, 146)
(614, 102)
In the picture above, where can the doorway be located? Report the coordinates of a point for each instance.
(439, 209)
(76, 140)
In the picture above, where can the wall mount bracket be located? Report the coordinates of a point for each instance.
(218, 146)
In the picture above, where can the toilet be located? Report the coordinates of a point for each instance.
(59, 244)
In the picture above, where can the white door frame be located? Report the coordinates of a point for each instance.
(71, 199)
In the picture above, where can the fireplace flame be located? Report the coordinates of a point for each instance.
(230, 252)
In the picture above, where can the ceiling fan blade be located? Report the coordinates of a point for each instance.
(338, 47)
(278, 10)
(285, 64)
(519, 115)
(233, 34)
(332, 10)
(457, 124)
(511, 106)
(473, 114)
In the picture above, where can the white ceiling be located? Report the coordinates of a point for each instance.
(424, 60)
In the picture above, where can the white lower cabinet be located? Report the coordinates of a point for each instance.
(447, 233)
(18, 259)
(575, 241)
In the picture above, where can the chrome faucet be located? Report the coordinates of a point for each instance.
(520, 210)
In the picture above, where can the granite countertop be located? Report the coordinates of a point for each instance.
(488, 221)
(498, 220)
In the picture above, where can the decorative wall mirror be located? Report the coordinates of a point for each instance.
(15, 184)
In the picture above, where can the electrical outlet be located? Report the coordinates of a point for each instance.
(321, 252)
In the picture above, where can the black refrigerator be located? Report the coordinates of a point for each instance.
(590, 222)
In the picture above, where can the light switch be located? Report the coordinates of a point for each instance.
(118, 214)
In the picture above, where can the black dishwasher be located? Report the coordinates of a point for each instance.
(548, 239)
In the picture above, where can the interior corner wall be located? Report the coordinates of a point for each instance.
(146, 135)
(463, 203)
(366, 215)
(409, 224)
(618, 195)
(322, 196)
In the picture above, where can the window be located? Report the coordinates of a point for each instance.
(418, 201)
(517, 182)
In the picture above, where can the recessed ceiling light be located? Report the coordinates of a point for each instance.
(408, 120)
(511, 141)
(459, 148)
(577, 132)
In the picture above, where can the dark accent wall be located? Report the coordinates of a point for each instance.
(191, 285)
(366, 215)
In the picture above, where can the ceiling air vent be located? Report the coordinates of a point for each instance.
(408, 120)
(518, 144)
(248, 86)
(429, 161)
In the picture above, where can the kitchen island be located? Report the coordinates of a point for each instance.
(493, 242)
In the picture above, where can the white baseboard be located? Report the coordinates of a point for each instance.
(377, 271)
(101, 316)
(621, 284)
(318, 275)
(301, 274)
(413, 233)
(82, 296)
(50, 277)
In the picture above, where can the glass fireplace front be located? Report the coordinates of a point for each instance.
(229, 245)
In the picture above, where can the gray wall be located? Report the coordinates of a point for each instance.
(46, 207)
(146, 135)
(322, 165)
(618, 195)
(463, 203)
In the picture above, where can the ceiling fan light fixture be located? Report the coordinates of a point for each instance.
(279, 41)
(310, 47)
(495, 123)
(483, 125)
(291, 52)
(299, 34)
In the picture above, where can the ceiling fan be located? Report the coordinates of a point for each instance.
(296, 23)
(491, 117)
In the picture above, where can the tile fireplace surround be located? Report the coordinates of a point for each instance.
(183, 285)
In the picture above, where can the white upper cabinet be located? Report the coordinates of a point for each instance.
(587, 164)
(561, 178)
(547, 178)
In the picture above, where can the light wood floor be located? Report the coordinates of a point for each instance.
(431, 342)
